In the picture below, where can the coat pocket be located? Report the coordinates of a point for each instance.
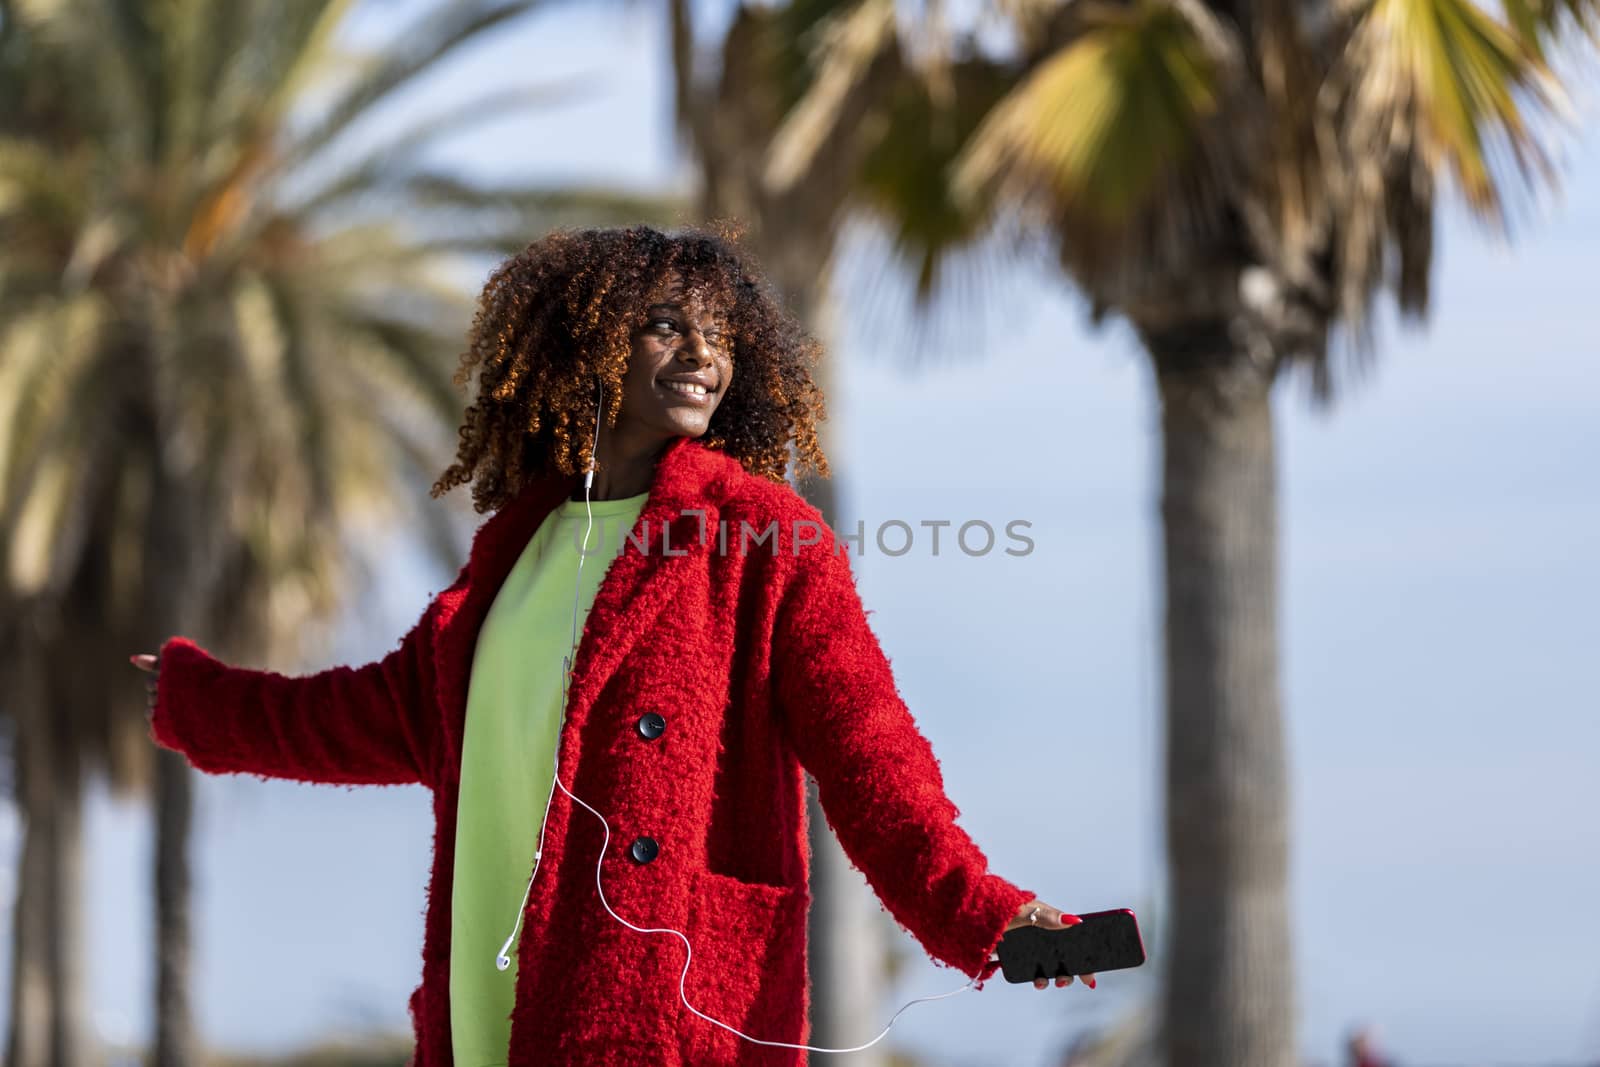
(746, 969)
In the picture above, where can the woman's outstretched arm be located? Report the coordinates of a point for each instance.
(367, 725)
(878, 780)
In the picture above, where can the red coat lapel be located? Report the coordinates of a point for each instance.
(674, 526)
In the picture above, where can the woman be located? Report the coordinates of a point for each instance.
(653, 381)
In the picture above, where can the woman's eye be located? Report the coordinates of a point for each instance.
(668, 323)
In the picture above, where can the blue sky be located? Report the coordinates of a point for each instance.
(1439, 584)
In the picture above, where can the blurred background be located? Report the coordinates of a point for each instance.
(1274, 322)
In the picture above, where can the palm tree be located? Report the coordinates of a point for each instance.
(223, 332)
(1240, 183)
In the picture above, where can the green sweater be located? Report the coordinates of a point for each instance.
(513, 720)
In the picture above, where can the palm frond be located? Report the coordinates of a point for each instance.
(905, 179)
(47, 353)
(412, 357)
(266, 55)
(445, 214)
(585, 205)
(1104, 121)
(40, 192)
(849, 46)
(123, 104)
(420, 47)
(1446, 76)
(399, 152)
(1539, 23)
(62, 451)
(1128, 141)
(303, 392)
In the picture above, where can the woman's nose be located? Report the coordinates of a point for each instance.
(695, 345)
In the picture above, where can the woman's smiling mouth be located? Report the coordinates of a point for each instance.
(694, 392)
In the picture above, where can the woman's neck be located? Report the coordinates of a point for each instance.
(622, 471)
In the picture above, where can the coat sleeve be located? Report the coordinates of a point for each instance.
(878, 780)
(367, 725)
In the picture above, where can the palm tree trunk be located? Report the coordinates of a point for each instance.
(848, 939)
(1229, 995)
(846, 948)
(173, 542)
(174, 814)
(64, 877)
(28, 1036)
(47, 1027)
(27, 1042)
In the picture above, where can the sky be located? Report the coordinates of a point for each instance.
(1439, 578)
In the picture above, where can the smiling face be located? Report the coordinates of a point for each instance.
(679, 369)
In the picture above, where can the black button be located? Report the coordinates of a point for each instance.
(651, 725)
(644, 849)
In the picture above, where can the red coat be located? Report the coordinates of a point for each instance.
(760, 662)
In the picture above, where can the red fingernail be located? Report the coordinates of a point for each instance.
(1069, 920)
(1089, 980)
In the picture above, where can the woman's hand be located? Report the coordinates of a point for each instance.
(1038, 913)
(152, 664)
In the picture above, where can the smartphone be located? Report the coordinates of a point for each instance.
(1104, 941)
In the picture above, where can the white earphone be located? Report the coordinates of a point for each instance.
(503, 959)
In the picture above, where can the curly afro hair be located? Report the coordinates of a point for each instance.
(564, 311)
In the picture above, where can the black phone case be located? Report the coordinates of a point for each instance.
(1104, 941)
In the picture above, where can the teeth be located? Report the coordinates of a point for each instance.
(687, 388)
